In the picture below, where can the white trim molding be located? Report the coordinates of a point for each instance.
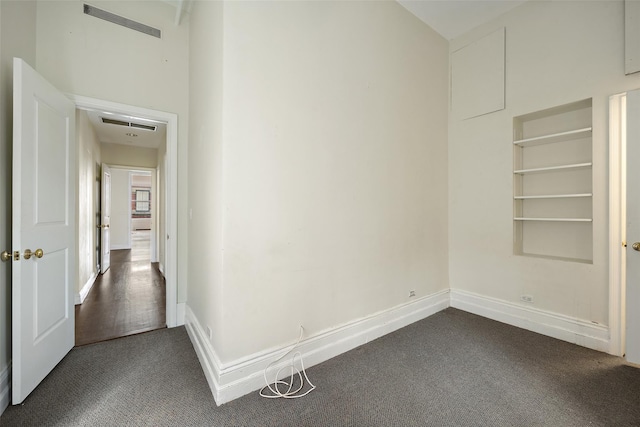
(120, 247)
(82, 295)
(617, 222)
(565, 328)
(229, 381)
(5, 387)
(180, 313)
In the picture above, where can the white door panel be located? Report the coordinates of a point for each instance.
(105, 207)
(633, 227)
(43, 218)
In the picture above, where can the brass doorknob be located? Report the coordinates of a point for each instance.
(5, 256)
(636, 246)
(38, 253)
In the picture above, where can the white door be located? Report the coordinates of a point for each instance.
(633, 228)
(43, 284)
(105, 220)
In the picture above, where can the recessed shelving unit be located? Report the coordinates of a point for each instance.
(553, 183)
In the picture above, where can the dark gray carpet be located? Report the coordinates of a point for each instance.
(452, 369)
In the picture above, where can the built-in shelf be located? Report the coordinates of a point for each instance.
(552, 183)
(555, 219)
(576, 166)
(554, 196)
(555, 137)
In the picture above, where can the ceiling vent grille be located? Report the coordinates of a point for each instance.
(120, 20)
(128, 124)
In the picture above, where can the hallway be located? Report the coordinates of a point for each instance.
(128, 299)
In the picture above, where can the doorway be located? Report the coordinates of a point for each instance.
(624, 225)
(163, 251)
(129, 296)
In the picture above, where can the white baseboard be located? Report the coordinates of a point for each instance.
(229, 381)
(5, 388)
(82, 295)
(565, 328)
(180, 313)
(120, 247)
(206, 354)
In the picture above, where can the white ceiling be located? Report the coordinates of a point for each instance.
(452, 18)
(116, 134)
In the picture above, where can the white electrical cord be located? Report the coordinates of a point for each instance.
(289, 393)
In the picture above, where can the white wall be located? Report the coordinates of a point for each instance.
(557, 52)
(86, 56)
(326, 191)
(120, 229)
(17, 38)
(88, 157)
(205, 292)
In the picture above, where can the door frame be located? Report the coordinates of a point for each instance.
(171, 188)
(617, 223)
(152, 173)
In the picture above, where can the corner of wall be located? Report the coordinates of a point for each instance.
(555, 325)
(237, 378)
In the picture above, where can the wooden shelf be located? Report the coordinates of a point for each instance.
(555, 219)
(556, 137)
(554, 196)
(577, 166)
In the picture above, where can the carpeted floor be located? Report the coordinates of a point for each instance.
(451, 369)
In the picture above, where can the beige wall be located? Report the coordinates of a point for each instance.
(126, 155)
(88, 157)
(205, 292)
(557, 52)
(327, 189)
(17, 38)
(86, 56)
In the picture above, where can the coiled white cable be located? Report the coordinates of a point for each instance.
(276, 393)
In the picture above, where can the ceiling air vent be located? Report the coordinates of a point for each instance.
(121, 20)
(140, 126)
(128, 124)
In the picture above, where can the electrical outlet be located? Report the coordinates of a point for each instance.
(412, 294)
(526, 298)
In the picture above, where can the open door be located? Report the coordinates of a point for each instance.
(633, 227)
(105, 220)
(44, 258)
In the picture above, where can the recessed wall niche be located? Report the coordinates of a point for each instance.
(553, 199)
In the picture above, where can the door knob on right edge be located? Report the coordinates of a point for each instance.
(636, 246)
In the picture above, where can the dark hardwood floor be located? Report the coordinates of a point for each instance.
(128, 299)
